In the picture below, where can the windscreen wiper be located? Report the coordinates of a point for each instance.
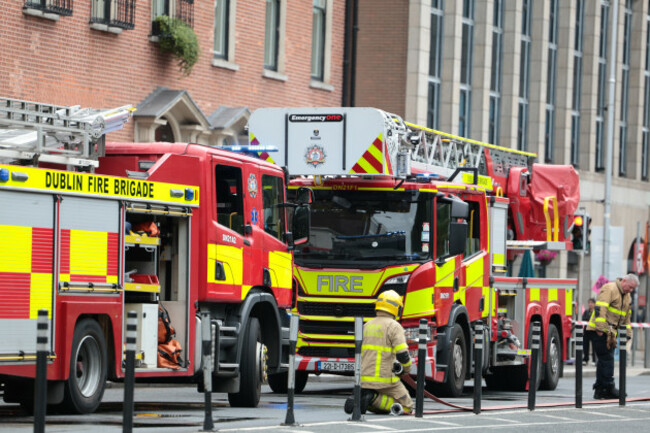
(376, 235)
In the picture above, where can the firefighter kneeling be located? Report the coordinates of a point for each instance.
(384, 345)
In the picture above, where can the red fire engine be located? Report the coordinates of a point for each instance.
(438, 219)
(189, 227)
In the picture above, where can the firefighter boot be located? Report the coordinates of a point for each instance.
(367, 396)
(599, 392)
(612, 392)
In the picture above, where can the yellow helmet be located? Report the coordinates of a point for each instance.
(390, 302)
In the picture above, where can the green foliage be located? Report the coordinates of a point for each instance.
(178, 38)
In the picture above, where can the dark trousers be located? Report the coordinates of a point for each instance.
(605, 364)
(588, 346)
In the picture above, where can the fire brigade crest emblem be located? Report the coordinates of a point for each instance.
(315, 155)
(252, 185)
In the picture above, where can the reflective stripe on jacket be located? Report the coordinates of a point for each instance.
(383, 338)
(612, 309)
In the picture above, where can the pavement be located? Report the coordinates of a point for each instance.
(589, 370)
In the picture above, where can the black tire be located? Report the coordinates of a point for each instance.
(251, 370)
(279, 382)
(88, 365)
(457, 365)
(553, 365)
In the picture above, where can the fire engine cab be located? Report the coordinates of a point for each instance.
(438, 219)
(90, 230)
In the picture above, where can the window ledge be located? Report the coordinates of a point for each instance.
(154, 39)
(40, 14)
(315, 84)
(274, 75)
(225, 64)
(105, 28)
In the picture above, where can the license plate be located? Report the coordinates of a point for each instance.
(335, 366)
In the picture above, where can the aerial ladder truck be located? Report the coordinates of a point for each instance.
(90, 230)
(438, 219)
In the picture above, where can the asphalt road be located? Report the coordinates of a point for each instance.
(164, 408)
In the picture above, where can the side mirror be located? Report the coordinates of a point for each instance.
(301, 224)
(457, 238)
(459, 209)
(304, 195)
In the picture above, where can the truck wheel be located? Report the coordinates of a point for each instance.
(88, 365)
(457, 368)
(252, 368)
(553, 359)
(279, 382)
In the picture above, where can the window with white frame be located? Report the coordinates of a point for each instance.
(602, 83)
(272, 34)
(524, 76)
(114, 13)
(577, 84)
(625, 89)
(495, 73)
(549, 132)
(466, 56)
(180, 9)
(319, 20)
(435, 63)
(221, 27)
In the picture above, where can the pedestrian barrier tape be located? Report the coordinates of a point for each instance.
(633, 325)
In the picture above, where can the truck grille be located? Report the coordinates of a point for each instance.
(327, 352)
(328, 328)
(335, 309)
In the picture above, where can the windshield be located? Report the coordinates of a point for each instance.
(377, 228)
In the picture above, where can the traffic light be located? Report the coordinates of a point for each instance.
(587, 232)
(577, 232)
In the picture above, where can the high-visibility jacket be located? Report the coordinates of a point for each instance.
(383, 339)
(612, 309)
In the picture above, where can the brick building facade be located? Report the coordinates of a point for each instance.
(50, 56)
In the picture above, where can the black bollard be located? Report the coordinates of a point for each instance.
(579, 331)
(206, 349)
(478, 366)
(622, 364)
(358, 339)
(291, 385)
(129, 372)
(42, 350)
(422, 361)
(532, 382)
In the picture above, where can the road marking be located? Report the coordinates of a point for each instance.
(376, 427)
(505, 420)
(529, 424)
(563, 418)
(603, 414)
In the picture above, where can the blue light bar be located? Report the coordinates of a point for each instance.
(4, 175)
(189, 194)
(428, 176)
(250, 149)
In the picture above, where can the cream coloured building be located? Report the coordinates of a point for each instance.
(526, 74)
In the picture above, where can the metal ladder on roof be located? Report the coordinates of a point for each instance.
(442, 153)
(32, 132)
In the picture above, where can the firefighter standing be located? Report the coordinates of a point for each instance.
(612, 310)
(384, 350)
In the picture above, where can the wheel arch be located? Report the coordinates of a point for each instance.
(263, 306)
(458, 314)
(106, 325)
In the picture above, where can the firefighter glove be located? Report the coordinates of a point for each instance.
(611, 340)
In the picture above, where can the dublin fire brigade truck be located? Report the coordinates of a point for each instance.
(90, 230)
(438, 219)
